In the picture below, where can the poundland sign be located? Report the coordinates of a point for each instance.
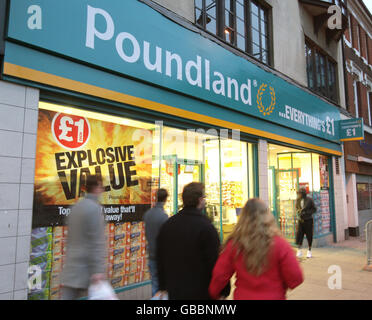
(130, 38)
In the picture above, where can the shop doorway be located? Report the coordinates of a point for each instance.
(176, 173)
(227, 167)
(287, 182)
(289, 170)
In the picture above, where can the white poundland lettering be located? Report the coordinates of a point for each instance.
(130, 50)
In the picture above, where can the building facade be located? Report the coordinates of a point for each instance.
(210, 91)
(358, 158)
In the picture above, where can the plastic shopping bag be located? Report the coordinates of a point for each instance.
(101, 290)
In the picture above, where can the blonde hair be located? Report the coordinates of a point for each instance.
(253, 235)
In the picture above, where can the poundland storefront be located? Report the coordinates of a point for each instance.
(143, 103)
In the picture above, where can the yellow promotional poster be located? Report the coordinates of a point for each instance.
(71, 147)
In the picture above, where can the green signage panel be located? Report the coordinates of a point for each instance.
(351, 129)
(133, 40)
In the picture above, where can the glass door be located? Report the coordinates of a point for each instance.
(212, 181)
(175, 174)
(168, 182)
(186, 173)
(287, 186)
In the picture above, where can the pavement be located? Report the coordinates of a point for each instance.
(346, 259)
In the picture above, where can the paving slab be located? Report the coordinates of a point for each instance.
(356, 284)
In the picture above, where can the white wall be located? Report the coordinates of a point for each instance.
(291, 23)
(340, 202)
(184, 8)
(18, 126)
(288, 40)
(352, 206)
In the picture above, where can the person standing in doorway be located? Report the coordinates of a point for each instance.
(187, 249)
(154, 219)
(86, 246)
(264, 263)
(305, 208)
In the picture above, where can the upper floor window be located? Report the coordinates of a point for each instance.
(321, 72)
(243, 24)
(206, 15)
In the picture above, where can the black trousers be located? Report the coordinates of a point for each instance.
(305, 228)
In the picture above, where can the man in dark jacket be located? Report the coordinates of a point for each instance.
(154, 219)
(305, 208)
(187, 249)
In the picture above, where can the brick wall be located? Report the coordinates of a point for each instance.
(363, 43)
(347, 33)
(354, 32)
(18, 126)
(350, 90)
(370, 50)
(364, 103)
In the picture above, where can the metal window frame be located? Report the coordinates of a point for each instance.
(328, 60)
(221, 26)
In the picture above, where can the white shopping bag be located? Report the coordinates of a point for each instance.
(101, 290)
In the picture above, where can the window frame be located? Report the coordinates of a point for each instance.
(362, 200)
(329, 92)
(222, 25)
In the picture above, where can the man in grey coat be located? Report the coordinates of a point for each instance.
(154, 219)
(86, 244)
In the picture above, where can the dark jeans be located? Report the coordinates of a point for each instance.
(154, 276)
(305, 228)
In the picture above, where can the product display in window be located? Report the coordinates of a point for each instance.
(325, 211)
(318, 229)
(127, 260)
(288, 218)
(232, 194)
(41, 258)
(323, 167)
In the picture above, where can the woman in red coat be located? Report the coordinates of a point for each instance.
(264, 262)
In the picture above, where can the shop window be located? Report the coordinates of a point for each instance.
(132, 159)
(289, 170)
(321, 71)
(363, 196)
(224, 165)
(244, 24)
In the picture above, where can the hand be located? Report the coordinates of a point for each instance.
(97, 277)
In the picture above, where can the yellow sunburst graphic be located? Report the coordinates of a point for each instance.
(48, 186)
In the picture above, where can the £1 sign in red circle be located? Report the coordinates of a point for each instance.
(70, 131)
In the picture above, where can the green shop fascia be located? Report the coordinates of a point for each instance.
(125, 59)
